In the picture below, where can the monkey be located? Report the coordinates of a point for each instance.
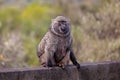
(55, 48)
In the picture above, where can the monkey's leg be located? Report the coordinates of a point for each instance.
(50, 59)
(73, 59)
(65, 60)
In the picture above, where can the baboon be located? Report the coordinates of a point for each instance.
(55, 48)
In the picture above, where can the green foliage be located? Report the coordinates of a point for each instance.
(35, 18)
(100, 33)
(8, 19)
(95, 30)
(31, 23)
(35, 22)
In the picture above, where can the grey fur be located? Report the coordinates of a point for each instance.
(55, 48)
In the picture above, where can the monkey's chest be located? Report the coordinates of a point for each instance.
(62, 49)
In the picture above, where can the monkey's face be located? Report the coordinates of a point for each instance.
(61, 27)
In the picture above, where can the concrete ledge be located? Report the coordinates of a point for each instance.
(88, 71)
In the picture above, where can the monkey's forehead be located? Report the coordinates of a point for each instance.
(61, 18)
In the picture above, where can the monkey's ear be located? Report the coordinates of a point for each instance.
(52, 20)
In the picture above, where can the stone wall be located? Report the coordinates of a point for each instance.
(88, 71)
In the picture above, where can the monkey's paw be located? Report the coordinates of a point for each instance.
(78, 66)
(61, 65)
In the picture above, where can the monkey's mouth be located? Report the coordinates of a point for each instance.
(64, 30)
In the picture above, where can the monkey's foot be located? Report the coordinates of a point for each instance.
(61, 65)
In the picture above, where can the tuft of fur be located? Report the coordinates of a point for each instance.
(55, 48)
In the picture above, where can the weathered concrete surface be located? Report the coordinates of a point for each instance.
(88, 71)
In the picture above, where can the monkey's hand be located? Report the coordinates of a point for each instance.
(78, 66)
(61, 65)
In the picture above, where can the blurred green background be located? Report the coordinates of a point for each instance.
(23, 23)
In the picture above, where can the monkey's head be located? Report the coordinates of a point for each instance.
(60, 26)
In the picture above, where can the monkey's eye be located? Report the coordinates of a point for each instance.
(59, 24)
(62, 23)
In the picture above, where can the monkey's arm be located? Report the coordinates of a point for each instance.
(50, 58)
(73, 59)
(40, 48)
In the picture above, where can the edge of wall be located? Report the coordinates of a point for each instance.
(109, 70)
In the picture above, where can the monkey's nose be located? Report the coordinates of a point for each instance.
(63, 28)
